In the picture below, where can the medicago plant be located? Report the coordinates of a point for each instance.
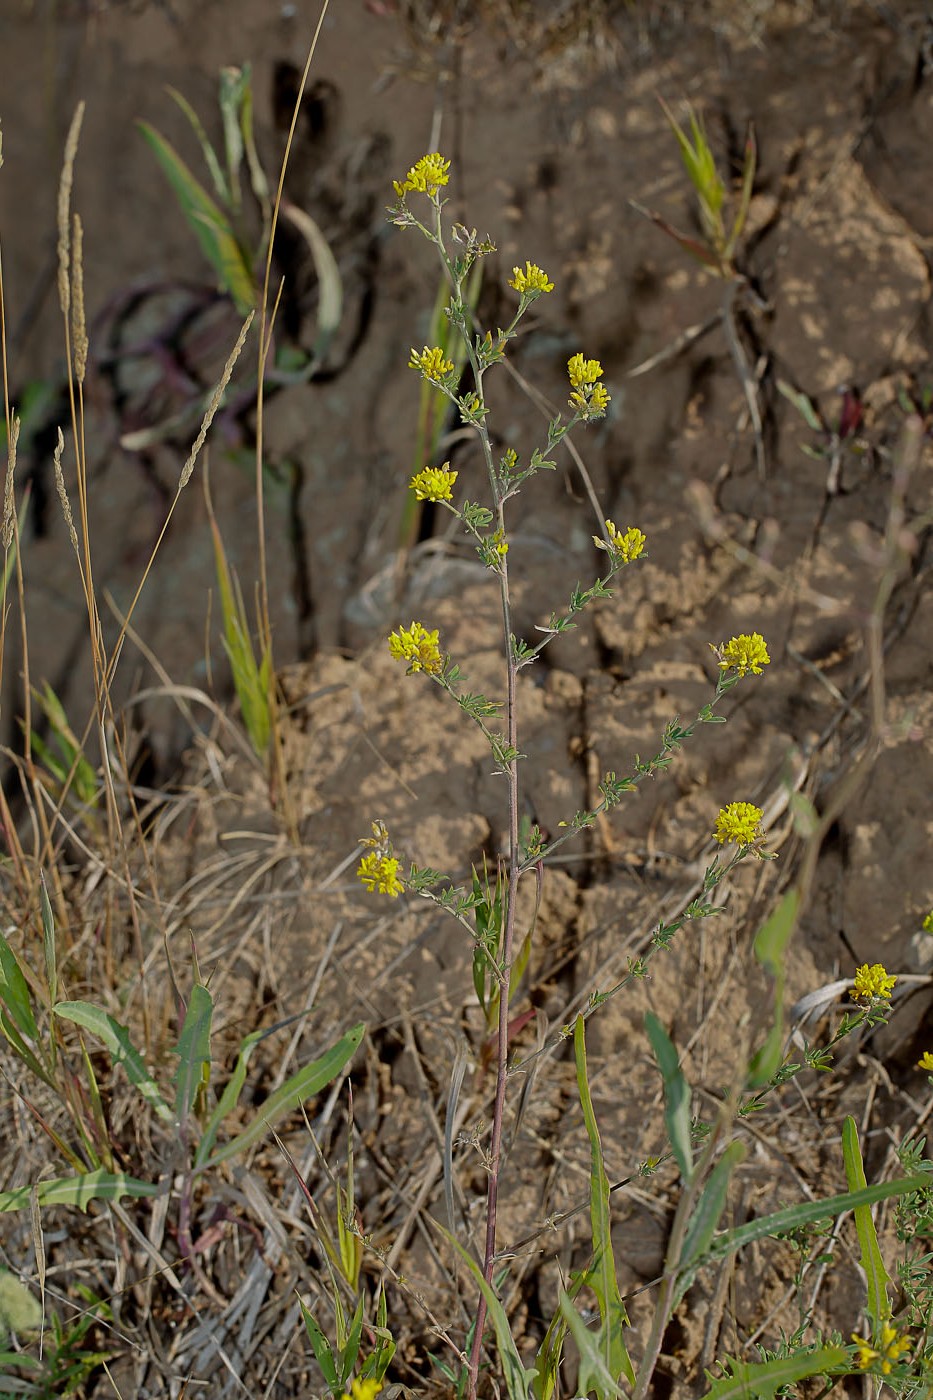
(487, 910)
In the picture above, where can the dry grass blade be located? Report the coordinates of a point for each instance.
(63, 494)
(6, 533)
(212, 407)
(64, 209)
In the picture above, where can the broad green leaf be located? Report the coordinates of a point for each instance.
(876, 1275)
(805, 1212)
(758, 1380)
(301, 1086)
(601, 1273)
(330, 287)
(121, 1049)
(676, 1094)
(594, 1375)
(14, 992)
(518, 1380)
(20, 1309)
(210, 226)
(194, 1051)
(321, 1347)
(79, 1190)
(770, 946)
(706, 1217)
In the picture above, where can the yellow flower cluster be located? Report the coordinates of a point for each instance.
(625, 547)
(425, 177)
(926, 1061)
(431, 363)
(417, 646)
(927, 924)
(746, 652)
(872, 982)
(589, 398)
(738, 822)
(434, 483)
(379, 873)
(533, 280)
(888, 1351)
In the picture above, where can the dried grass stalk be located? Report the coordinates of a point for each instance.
(214, 404)
(63, 494)
(78, 323)
(64, 207)
(6, 529)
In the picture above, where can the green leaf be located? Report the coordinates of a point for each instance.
(770, 945)
(121, 1049)
(14, 992)
(79, 1190)
(194, 1051)
(321, 1347)
(210, 226)
(806, 1212)
(221, 187)
(518, 1380)
(48, 940)
(676, 1094)
(601, 1273)
(20, 1309)
(301, 1086)
(706, 1217)
(877, 1278)
(229, 1098)
(594, 1375)
(762, 1379)
(233, 82)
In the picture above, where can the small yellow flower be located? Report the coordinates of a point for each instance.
(434, 483)
(583, 372)
(417, 646)
(425, 177)
(746, 652)
(872, 982)
(927, 924)
(625, 547)
(599, 399)
(926, 1061)
(888, 1352)
(379, 873)
(739, 823)
(362, 1390)
(499, 543)
(431, 363)
(533, 279)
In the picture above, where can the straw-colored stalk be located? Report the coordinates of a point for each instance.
(64, 208)
(9, 520)
(214, 404)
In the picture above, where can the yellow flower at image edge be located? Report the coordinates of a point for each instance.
(417, 646)
(362, 1390)
(533, 279)
(434, 483)
(746, 652)
(379, 873)
(888, 1352)
(627, 546)
(926, 1061)
(425, 177)
(739, 823)
(872, 981)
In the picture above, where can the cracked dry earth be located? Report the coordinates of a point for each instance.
(551, 131)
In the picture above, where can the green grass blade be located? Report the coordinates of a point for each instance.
(232, 84)
(676, 1094)
(518, 1380)
(757, 1381)
(229, 1098)
(601, 1274)
(79, 1191)
(121, 1049)
(221, 187)
(303, 1085)
(806, 1212)
(210, 226)
(48, 941)
(706, 1216)
(194, 1051)
(321, 1347)
(770, 946)
(879, 1304)
(330, 286)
